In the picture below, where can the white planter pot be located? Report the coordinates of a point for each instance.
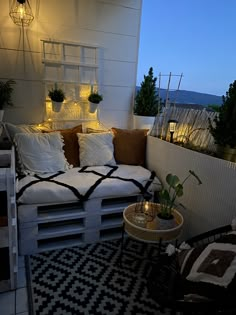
(92, 107)
(1, 114)
(56, 106)
(165, 224)
(143, 122)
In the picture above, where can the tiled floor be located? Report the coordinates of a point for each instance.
(16, 302)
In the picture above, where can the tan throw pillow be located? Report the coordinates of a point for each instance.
(71, 146)
(130, 146)
(92, 130)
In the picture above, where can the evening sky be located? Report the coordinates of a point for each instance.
(193, 37)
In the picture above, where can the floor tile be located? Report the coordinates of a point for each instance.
(21, 278)
(7, 303)
(21, 300)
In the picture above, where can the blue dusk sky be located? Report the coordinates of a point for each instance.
(193, 37)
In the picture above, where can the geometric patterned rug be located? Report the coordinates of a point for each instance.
(89, 280)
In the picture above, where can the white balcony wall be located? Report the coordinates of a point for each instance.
(112, 25)
(207, 206)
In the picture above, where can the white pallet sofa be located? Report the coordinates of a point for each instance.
(68, 221)
(80, 205)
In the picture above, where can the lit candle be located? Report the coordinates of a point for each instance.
(140, 219)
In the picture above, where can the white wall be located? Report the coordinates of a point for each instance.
(111, 24)
(207, 206)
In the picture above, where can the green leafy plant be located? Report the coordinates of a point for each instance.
(223, 128)
(175, 189)
(6, 89)
(95, 97)
(215, 108)
(56, 94)
(146, 99)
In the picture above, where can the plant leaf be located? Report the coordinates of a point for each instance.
(164, 195)
(179, 189)
(172, 180)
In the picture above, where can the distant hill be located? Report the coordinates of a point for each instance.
(190, 97)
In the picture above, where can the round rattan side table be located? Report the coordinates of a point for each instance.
(151, 232)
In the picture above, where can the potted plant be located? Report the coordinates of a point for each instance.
(223, 128)
(94, 99)
(168, 195)
(57, 96)
(6, 89)
(147, 102)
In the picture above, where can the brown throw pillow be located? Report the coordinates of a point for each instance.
(130, 146)
(71, 145)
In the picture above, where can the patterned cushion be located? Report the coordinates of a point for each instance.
(96, 149)
(130, 146)
(71, 146)
(211, 270)
(40, 152)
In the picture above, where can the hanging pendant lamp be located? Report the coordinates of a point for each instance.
(21, 13)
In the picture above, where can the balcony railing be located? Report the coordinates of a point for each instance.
(207, 206)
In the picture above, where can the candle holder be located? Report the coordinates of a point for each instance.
(144, 211)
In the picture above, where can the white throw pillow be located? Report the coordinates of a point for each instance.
(40, 152)
(96, 149)
(11, 129)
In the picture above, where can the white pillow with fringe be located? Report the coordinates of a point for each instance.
(40, 153)
(96, 149)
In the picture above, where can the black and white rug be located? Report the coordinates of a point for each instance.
(89, 280)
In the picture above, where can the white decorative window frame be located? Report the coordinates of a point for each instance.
(74, 67)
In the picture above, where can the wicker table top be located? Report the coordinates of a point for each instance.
(149, 231)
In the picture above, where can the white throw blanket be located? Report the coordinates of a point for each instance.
(83, 184)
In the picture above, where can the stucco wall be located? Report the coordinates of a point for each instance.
(111, 24)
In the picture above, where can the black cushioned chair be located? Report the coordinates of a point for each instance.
(168, 287)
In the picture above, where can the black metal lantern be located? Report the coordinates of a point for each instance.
(21, 13)
(172, 127)
(144, 211)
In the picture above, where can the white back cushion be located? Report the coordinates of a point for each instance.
(40, 152)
